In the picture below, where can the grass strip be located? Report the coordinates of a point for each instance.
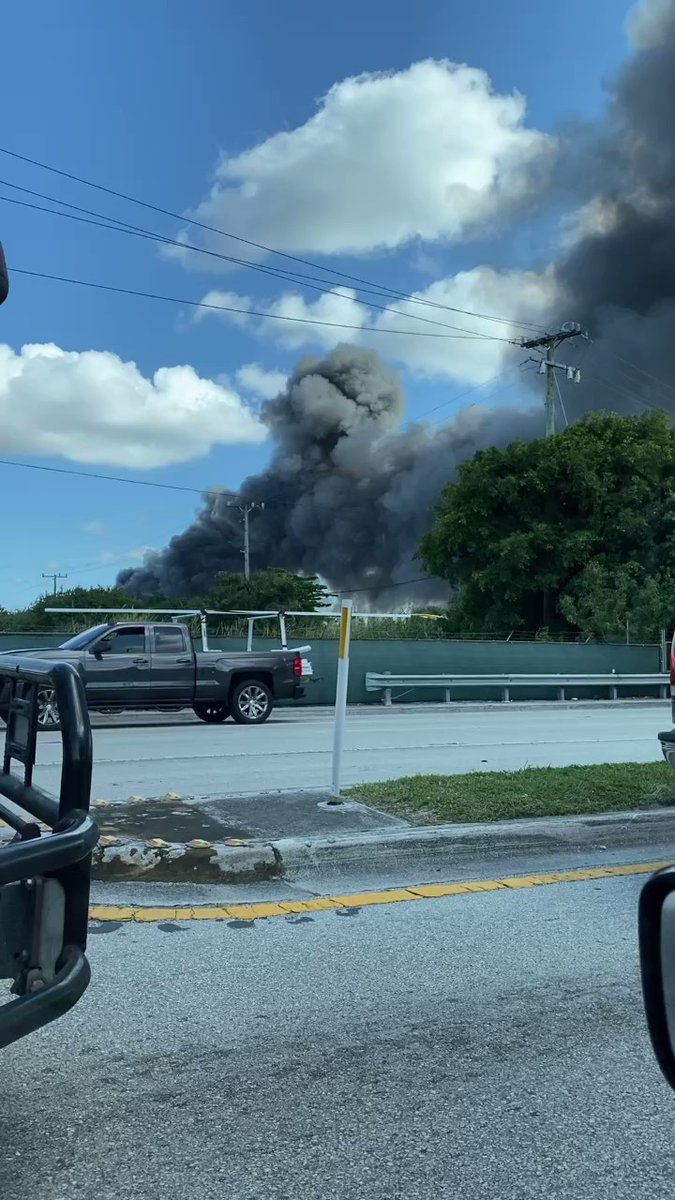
(532, 792)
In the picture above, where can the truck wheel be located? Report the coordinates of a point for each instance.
(251, 702)
(47, 710)
(213, 714)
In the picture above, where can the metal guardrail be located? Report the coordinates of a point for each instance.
(387, 681)
(44, 876)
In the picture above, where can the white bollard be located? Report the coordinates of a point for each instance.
(341, 696)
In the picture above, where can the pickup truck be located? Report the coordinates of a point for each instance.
(155, 666)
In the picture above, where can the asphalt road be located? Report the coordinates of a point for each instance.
(293, 750)
(489, 1045)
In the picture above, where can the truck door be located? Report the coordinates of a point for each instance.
(118, 668)
(172, 665)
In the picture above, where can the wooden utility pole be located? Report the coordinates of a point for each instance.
(53, 575)
(548, 366)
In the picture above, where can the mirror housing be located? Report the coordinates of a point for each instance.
(4, 277)
(656, 924)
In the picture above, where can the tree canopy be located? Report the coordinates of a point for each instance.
(571, 532)
(274, 589)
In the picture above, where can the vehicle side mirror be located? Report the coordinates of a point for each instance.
(657, 963)
(97, 651)
(4, 277)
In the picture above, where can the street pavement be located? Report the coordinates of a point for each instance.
(484, 1045)
(293, 750)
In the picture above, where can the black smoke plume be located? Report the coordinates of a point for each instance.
(348, 492)
(618, 278)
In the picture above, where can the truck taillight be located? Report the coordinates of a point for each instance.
(297, 667)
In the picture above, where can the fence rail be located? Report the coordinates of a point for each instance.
(386, 682)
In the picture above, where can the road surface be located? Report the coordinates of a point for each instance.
(487, 1045)
(293, 750)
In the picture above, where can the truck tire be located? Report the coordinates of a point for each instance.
(250, 702)
(212, 713)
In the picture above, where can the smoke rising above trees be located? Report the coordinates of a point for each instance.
(349, 492)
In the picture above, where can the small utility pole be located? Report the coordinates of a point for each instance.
(548, 365)
(550, 391)
(54, 575)
(245, 510)
(247, 546)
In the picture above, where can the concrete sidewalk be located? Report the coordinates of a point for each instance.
(226, 839)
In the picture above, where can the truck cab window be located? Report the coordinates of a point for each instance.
(169, 639)
(124, 641)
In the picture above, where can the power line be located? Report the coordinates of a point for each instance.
(628, 394)
(103, 221)
(561, 401)
(467, 392)
(376, 587)
(258, 245)
(278, 499)
(249, 312)
(649, 374)
(152, 483)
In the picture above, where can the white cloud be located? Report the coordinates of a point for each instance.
(260, 382)
(431, 152)
(231, 301)
(92, 407)
(472, 349)
(645, 22)
(512, 295)
(93, 527)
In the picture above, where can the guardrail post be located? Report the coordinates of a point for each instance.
(387, 692)
(506, 695)
(561, 693)
(664, 691)
(447, 695)
(614, 692)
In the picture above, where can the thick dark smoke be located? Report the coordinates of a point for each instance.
(619, 280)
(348, 492)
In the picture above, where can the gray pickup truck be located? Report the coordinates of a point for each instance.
(155, 666)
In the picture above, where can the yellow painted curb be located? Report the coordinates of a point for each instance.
(427, 891)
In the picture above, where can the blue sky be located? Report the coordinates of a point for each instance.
(145, 98)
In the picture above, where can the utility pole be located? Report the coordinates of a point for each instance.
(247, 546)
(548, 366)
(54, 575)
(245, 510)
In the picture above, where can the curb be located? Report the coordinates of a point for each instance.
(198, 861)
(426, 848)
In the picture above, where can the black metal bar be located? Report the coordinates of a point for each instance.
(27, 829)
(63, 855)
(31, 799)
(51, 854)
(76, 734)
(28, 1013)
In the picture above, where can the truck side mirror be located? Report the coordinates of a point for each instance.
(656, 923)
(4, 277)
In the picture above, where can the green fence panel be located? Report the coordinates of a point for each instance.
(432, 657)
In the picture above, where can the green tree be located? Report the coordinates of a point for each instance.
(541, 533)
(36, 618)
(618, 602)
(273, 589)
